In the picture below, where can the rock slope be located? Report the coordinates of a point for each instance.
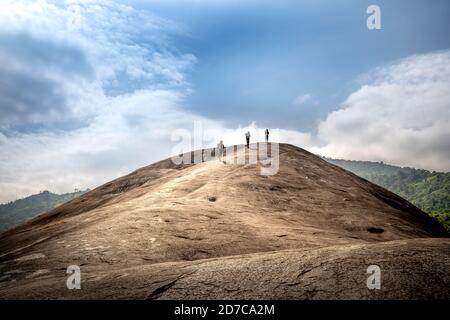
(223, 230)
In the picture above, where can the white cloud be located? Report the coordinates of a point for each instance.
(2, 139)
(302, 99)
(93, 125)
(113, 144)
(114, 49)
(401, 117)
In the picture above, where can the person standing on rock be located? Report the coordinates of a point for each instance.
(267, 135)
(220, 148)
(247, 138)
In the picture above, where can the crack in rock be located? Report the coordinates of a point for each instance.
(156, 293)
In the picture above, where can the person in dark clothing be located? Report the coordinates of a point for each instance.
(267, 135)
(247, 138)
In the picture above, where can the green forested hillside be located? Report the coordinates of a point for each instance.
(16, 212)
(430, 191)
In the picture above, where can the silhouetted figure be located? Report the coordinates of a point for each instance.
(220, 148)
(267, 135)
(247, 138)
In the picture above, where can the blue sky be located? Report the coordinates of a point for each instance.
(93, 89)
(256, 57)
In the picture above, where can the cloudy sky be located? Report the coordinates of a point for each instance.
(93, 89)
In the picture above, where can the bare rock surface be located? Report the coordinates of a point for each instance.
(221, 230)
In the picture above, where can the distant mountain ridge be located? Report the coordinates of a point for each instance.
(430, 191)
(16, 212)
